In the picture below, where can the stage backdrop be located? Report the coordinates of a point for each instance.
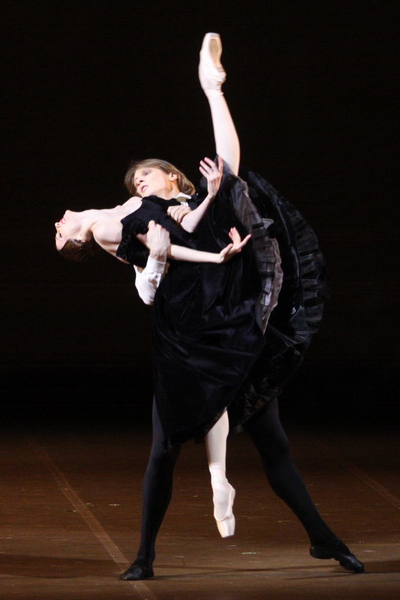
(93, 84)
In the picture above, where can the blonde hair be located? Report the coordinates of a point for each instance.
(183, 182)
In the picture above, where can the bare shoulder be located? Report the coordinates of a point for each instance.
(133, 203)
(107, 232)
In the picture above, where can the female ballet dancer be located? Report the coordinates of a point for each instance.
(288, 332)
(75, 234)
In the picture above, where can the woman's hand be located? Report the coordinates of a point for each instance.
(177, 213)
(213, 174)
(235, 247)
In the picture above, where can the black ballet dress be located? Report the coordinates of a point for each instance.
(216, 341)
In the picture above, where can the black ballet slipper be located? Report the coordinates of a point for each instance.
(136, 572)
(340, 552)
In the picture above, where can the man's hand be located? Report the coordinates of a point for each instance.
(236, 246)
(157, 241)
(178, 212)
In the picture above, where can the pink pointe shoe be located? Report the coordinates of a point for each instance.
(211, 72)
(226, 526)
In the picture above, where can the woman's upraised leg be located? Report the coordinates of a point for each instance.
(212, 76)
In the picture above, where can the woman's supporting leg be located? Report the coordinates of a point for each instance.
(268, 436)
(223, 492)
(157, 492)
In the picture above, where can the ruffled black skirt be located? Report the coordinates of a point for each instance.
(299, 311)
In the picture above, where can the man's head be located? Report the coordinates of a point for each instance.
(157, 177)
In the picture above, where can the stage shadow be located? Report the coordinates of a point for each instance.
(385, 566)
(208, 572)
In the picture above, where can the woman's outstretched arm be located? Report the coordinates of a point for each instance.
(107, 233)
(213, 175)
(212, 76)
(189, 254)
(148, 279)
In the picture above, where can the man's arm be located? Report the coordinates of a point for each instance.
(148, 279)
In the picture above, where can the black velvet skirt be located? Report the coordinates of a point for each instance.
(229, 336)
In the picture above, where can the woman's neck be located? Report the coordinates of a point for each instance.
(92, 217)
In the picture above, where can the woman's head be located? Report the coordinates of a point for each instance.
(152, 176)
(79, 251)
(73, 238)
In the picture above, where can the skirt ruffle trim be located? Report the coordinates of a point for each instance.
(302, 292)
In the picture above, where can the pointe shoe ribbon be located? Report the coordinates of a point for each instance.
(226, 526)
(211, 72)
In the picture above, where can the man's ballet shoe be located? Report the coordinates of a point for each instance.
(211, 72)
(226, 526)
(340, 552)
(136, 572)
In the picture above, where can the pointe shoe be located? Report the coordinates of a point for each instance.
(136, 572)
(340, 552)
(226, 526)
(211, 72)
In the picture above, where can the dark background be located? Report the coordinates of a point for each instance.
(92, 84)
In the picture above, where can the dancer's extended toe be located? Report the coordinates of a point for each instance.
(226, 524)
(211, 72)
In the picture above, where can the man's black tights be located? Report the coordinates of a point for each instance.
(269, 438)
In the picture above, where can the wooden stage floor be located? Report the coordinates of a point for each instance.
(70, 515)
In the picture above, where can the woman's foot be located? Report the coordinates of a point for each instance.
(223, 498)
(340, 552)
(211, 72)
(136, 572)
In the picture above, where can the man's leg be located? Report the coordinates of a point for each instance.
(268, 436)
(157, 492)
